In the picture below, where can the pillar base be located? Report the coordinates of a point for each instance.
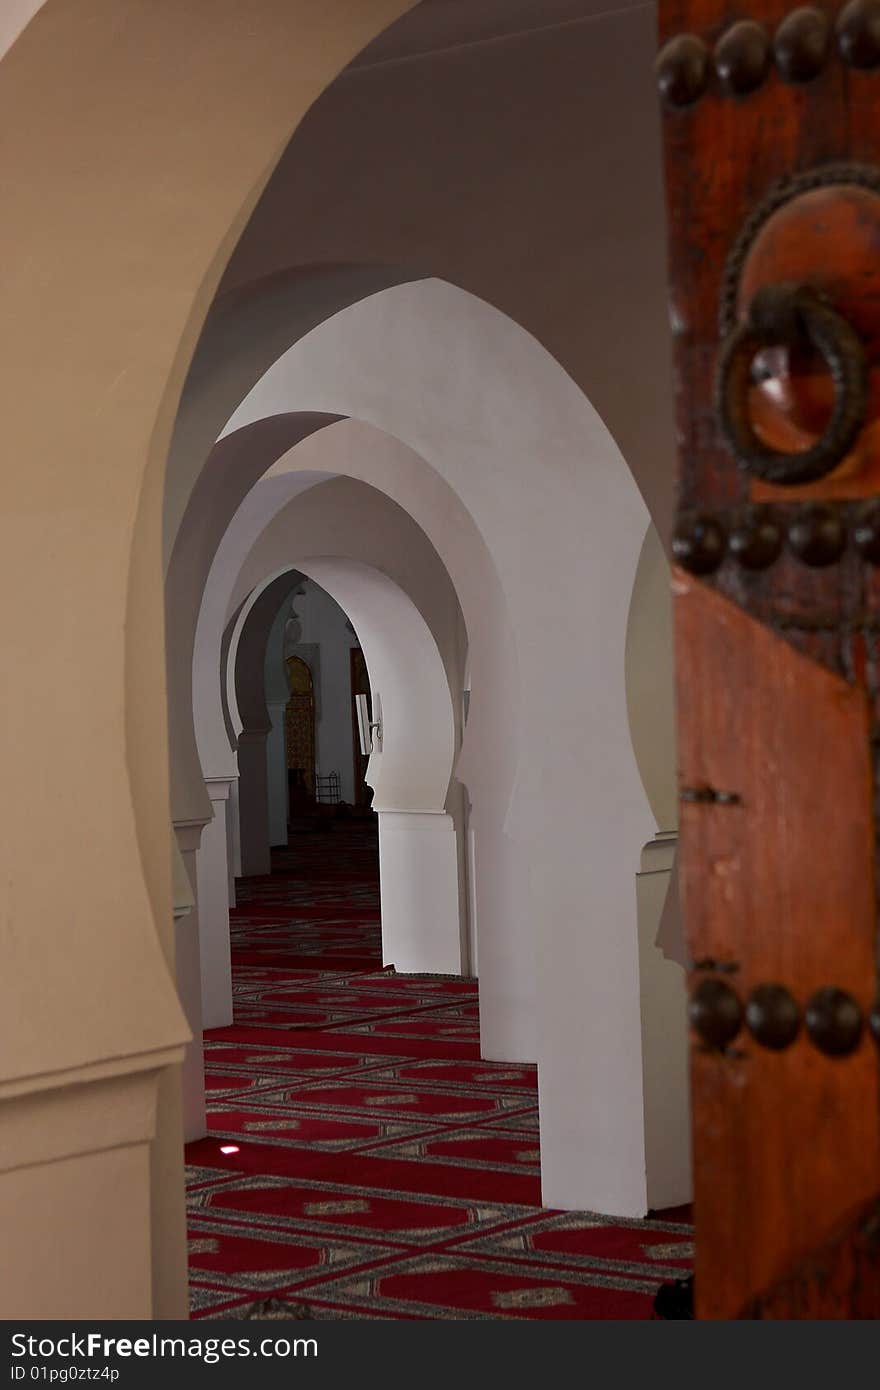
(615, 1130)
(75, 1202)
(421, 910)
(664, 1037)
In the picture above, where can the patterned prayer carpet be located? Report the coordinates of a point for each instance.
(375, 1167)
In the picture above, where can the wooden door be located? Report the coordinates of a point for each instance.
(772, 155)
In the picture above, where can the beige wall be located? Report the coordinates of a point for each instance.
(136, 139)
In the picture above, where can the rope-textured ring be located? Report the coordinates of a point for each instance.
(792, 315)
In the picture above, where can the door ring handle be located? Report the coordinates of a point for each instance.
(789, 315)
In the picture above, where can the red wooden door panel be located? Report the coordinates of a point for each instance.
(772, 141)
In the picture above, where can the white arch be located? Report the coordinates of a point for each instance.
(231, 471)
(377, 531)
(244, 333)
(413, 770)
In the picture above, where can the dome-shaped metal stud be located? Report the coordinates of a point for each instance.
(874, 1021)
(756, 540)
(858, 33)
(772, 1016)
(801, 44)
(682, 70)
(817, 535)
(742, 57)
(715, 1013)
(866, 532)
(699, 543)
(834, 1022)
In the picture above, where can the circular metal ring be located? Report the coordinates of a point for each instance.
(789, 316)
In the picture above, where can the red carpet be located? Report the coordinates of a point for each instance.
(381, 1168)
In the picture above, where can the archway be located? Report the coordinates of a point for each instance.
(410, 771)
(376, 530)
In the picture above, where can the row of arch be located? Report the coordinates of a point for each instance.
(431, 501)
(97, 353)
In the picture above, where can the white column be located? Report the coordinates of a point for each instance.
(664, 1036)
(506, 936)
(253, 802)
(213, 894)
(645, 1083)
(422, 931)
(233, 839)
(276, 753)
(471, 851)
(189, 979)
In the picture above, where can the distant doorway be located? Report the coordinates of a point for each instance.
(299, 733)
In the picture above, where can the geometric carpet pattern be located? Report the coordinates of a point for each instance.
(362, 1160)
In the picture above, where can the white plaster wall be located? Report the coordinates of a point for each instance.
(560, 516)
(418, 868)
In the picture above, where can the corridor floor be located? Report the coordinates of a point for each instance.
(374, 1166)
